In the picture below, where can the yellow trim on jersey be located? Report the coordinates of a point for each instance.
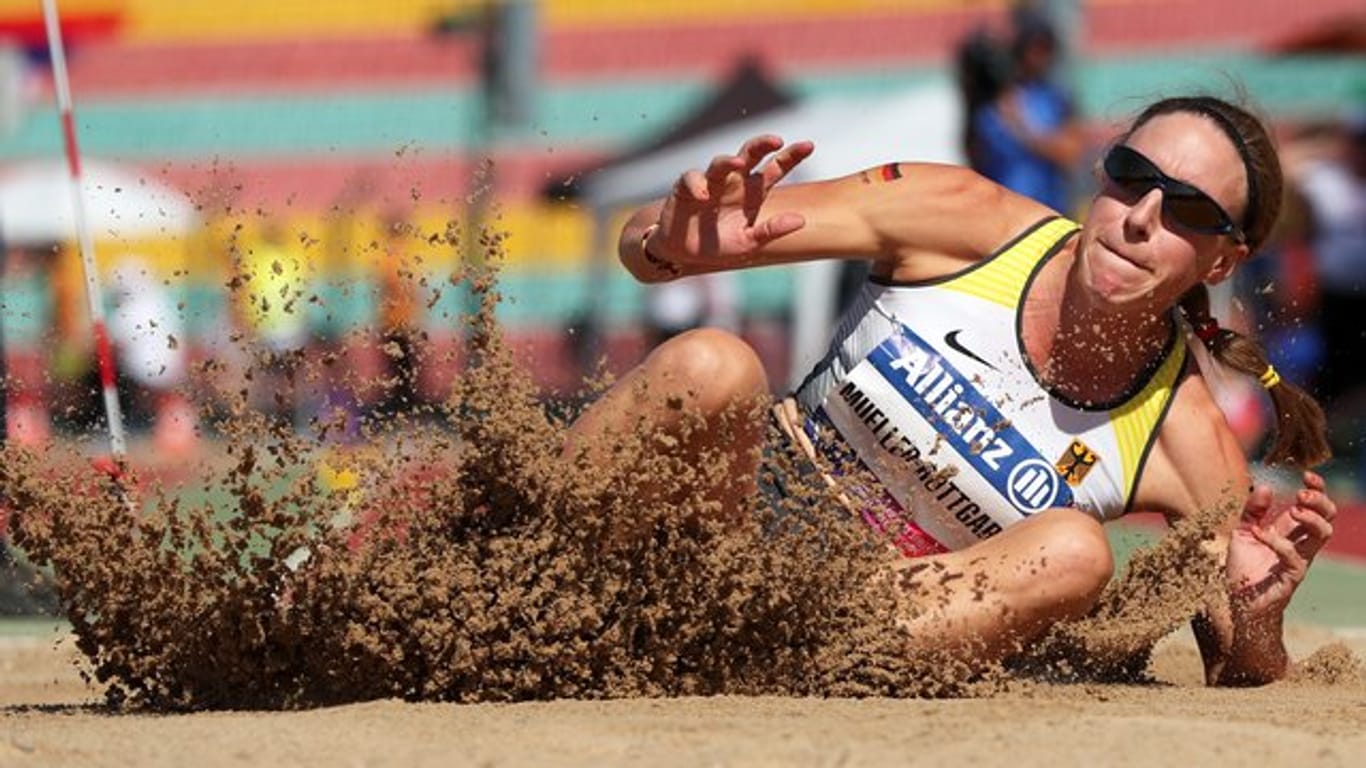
(1001, 278)
(1135, 420)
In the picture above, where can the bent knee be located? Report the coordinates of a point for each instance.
(714, 368)
(1076, 551)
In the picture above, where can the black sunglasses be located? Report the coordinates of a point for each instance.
(1187, 205)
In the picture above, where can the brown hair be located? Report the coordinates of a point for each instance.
(1261, 162)
(1300, 436)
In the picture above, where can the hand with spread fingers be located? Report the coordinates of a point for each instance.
(1273, 545)
(711, 218)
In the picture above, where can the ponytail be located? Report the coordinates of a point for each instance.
(1300, 435)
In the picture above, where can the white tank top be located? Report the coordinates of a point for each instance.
(928, 386)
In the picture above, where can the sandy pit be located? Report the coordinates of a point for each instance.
(49, 718)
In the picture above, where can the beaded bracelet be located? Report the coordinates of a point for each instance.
(663, 265)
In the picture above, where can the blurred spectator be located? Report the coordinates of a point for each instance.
(147, 333)
(443, 300)
(26, 309)
(399, 304)
(270, 291)
(1028, 138)
(25, 319)
(1335, 187)
(342, 319)
(983, 71)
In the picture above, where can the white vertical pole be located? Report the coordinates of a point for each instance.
(94, 296)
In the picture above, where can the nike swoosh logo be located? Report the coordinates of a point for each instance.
(951, 338)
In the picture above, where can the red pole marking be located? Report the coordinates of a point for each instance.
(73, 155)
(104, 355)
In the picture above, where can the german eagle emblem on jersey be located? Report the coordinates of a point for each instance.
(1075, 462)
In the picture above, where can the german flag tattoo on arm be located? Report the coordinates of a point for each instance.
(884, 173)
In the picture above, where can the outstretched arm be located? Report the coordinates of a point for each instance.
(1269, 554)
(734, 214)
(1265, 548)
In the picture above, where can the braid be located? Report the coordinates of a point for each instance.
(1300, 437)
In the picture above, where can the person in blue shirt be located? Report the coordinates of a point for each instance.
(1028, 139)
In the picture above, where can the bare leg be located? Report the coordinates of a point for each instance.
(684, 391)
(989, 599)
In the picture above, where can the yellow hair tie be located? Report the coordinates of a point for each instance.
(1270, 378)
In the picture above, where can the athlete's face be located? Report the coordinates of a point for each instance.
(1133, 254)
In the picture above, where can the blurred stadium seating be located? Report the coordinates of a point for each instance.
(277, 108)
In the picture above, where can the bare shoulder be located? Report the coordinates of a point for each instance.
(1196, 461)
